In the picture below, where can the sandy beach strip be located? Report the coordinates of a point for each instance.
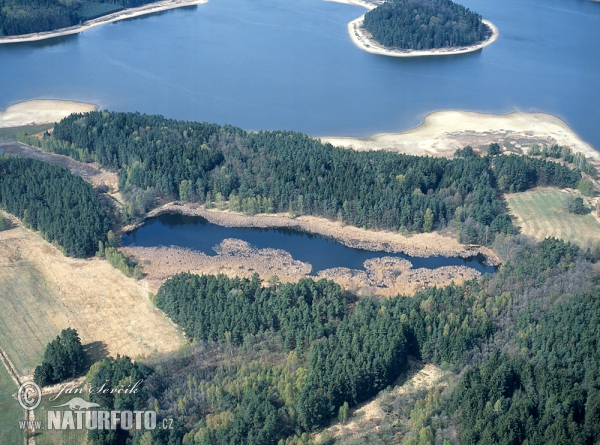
(37, 112)
(443, 132)
(109, 18)
(363, 39)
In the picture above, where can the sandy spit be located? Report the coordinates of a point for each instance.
(110, 18)
(364, 40)
(442, 132)
(36, 112)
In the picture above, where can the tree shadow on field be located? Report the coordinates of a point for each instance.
(94, 352)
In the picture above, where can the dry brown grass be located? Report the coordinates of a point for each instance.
(369, 417)
(43, 292)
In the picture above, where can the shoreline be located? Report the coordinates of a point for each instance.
(417, 245)
(441, 133)
(109, 18)
(363, 39)
(41, 111)
(386, 276)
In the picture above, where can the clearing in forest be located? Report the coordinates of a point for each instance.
(541, 213)
(43, 292)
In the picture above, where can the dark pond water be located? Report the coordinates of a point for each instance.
(321, 252)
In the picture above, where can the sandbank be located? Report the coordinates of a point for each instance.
(36, 112)
(364, 40)
(441, 133)
(109, 18)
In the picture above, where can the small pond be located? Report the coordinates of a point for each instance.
(198, 234)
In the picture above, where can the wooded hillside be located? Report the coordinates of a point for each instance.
(278, 171)
(425, 24)
(29, 16)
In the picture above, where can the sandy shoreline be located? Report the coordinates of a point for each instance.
(441, 133)
(363, 39)
(110, 18)
(43, 111)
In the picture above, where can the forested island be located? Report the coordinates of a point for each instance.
(425, 25)
(30, 16)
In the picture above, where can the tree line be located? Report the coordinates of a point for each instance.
(60, 205)
(226, 309)
(425, 24)
(29, 16)
(64, 358)
(278, 171)
(255, 390)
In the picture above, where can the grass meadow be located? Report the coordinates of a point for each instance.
(540, 213)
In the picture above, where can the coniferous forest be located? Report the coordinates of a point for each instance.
(277, 171)
(271, 362)
(425, 24)
(29, 16)
(64, 358)
(61, 206)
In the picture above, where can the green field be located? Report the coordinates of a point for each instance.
(10, 411)
(57, 437)
(11, 133)
(31, 313)
(540, 213)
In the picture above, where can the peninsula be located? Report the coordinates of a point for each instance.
(122, 14)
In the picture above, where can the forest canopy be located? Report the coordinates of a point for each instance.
(28, 16)
(64, 358)
(50, 199)
(425, 24)
(527, 346)
(282, 171)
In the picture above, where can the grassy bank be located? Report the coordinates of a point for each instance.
(31, 313)
(10, 411)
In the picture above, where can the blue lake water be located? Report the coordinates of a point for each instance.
(272, 64)
(290, 65)
(322, 253)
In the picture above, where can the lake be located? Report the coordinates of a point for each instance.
(270, 64)
(322, 253)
